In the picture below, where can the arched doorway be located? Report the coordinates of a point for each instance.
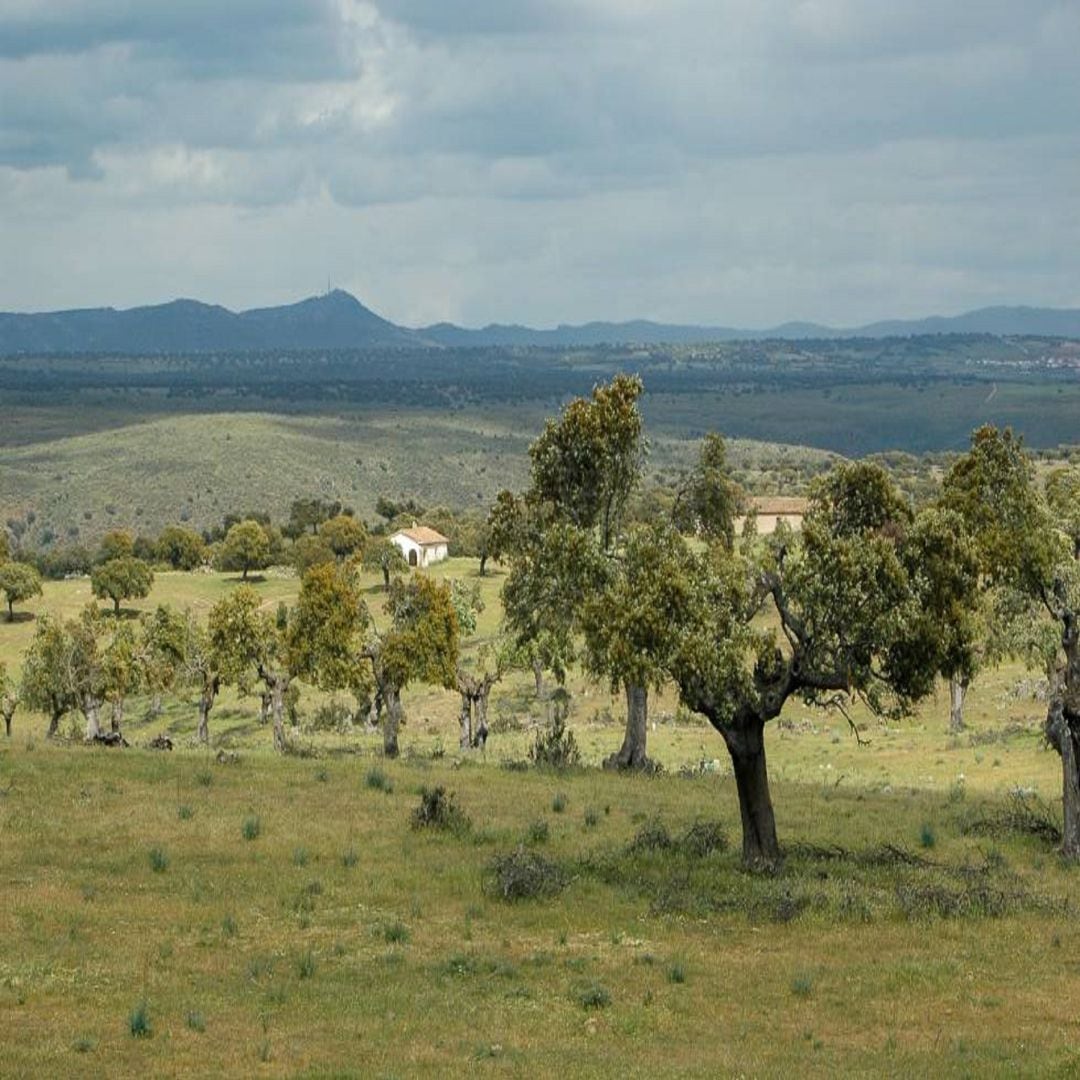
(412, 557)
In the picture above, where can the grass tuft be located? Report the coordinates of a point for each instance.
(251, 828)
(139, 1021)
(159, 860)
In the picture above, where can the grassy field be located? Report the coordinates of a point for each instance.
(165, 914)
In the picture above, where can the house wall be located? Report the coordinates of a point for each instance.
(424, 556)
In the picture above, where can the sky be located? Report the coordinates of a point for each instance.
(729, 162)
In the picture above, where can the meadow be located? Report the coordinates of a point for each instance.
(160, 912)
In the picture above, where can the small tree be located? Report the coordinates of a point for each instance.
(48, 683)
(382, 555)
(161, 651)
(309, 551)
(123, 578)
(856, 605)
(420, 644)
(182, 549)
(344, 535)
(246, 547)
(116, 544)
(19, 582)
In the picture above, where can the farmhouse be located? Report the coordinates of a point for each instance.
(421, 546)
(772, 509)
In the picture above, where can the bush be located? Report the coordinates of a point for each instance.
(377, 780)
(139, 1021)
(251, 828)
(305, 967)
(652, 836)
(537, 832)
(703, 838)
(159, 860)
(196, 1021)
(334, 715)
(556, 747)
(523, 875)
(395, 933)
(438, 809)
(558, 804)
(594, 996)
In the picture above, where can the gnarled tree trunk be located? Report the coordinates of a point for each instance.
(117, 718)
(480, 707)
(392, 720)
(278, 687)
(1063, 731)
(265, 700)
(465, 736)
(538, 675)
(55, 716)
(206, 703)
(632, 754)
(9, 715)
(957, 692)
(746, 745)
(90, 707)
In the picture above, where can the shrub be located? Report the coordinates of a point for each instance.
(333, 715)
(251, 828)
(300, 856)
(556, 747)
(228, 926)
(349, 858)
(159, 860)
(652, 836)
(537, 832)
(204, 778)
(395, 933)
(196, 1022)
(703, 838)
(438, 809)
(594, 996)
(558, 804)
(185, 812)
(802, 985)
(139, 1021)
(927, 836)
(305, 967)
(523, 875)
(676, 973)
(591, 817)
(377, 780)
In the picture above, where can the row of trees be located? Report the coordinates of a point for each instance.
(328, 639)
(871, 601)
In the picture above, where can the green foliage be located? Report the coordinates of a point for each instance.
(380, 554)
(344, 535)
(46, 684)
(159, 860)
(522, 874)
(121, 578)
(709, 500)
(139, 1021)
(587, 462)
(422, 642)
(252, 828)
(310, 551)
(180, 547)
(19, 582)
(377, 780)
(116, 544)
(324, 634)
(438, 809)
(246, 547)
(555, 747)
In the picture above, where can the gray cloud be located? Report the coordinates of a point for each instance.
(732, 160)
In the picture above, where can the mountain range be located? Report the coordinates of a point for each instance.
(337, 320)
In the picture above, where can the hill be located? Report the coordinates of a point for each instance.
(338, 320)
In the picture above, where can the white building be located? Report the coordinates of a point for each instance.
(421, 546)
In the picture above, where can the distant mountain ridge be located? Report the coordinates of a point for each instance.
(337, 320)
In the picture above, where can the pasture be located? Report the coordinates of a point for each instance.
(165, 913)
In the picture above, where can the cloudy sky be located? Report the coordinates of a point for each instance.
(737, 162)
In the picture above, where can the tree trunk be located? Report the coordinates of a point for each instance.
(386, 578)
(206, 703)
(957, 692)
(465, 738)
(279, 686)
(116, 607)
(117, 714)
(747, 749)
(632, 754)
(483, 563)
(265, 699)
(9, 715)
(10, 610)
(392, 721)
(480, 704)
(1063, 732)
(538, 675)
(243, 573)
(90, 711)
(54, 722)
